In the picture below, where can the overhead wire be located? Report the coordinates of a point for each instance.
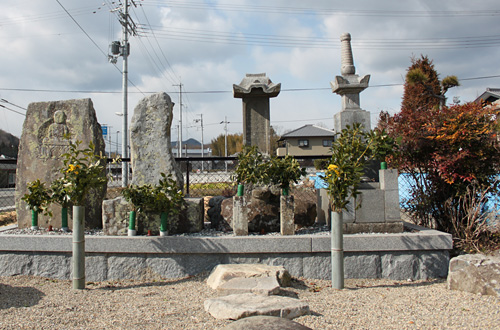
(237, 38)
(173, 75)
(7, 108)
(319, 11)
(95, 44)
(210, 91)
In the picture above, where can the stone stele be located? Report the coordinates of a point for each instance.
(151, 150)
(40, 149)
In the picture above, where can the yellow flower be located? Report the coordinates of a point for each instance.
(334, 168)
(72, 168)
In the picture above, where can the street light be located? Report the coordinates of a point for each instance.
(116, 153)
(225, 122)
(124, 149)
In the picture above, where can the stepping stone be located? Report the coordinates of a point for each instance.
(224, 273)
(265, 323)
(237, 306)
(258, 285)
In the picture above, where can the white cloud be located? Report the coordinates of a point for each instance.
(44, 49)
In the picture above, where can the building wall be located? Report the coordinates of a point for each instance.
(315, 147)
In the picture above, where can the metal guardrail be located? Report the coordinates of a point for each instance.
(203, 176)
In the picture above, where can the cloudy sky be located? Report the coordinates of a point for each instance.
(58, 49)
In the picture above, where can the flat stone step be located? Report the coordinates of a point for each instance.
(237, 306)
(228, 272)
(265, 323)
(258, 285)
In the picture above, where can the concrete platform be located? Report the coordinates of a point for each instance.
(408, 255)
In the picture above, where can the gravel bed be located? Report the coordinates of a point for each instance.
(206, 232)
(28, 302)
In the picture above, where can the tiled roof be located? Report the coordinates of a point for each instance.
(490, 95)
(309, 131)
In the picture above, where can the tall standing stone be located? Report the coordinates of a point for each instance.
(349, 86)
(255, 90)
(151, 150)
(41, 146)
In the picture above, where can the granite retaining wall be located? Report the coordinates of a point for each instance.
(408, 255)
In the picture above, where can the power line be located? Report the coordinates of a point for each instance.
(83, 30)
(204, 92)
(321, 11)
(238, 38)
(17, 106)
(95, 44)
(3, 106)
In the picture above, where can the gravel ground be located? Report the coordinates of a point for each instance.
(38, 303)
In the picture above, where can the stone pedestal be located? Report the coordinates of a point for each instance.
(240, 217)
(287, 225)
(115, 215)
(378, 206)
(255, 91)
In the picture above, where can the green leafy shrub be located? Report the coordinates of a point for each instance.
(350, 152)
(283, 171)
(38, 197)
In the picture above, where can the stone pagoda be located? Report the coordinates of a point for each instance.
(349, 85)
(255, 90)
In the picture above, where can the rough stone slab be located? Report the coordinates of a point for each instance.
(237, 306)
(13, 263)
(265, 323)
(96, 267)
(317, 265)
(266, 286)
(433, 264)
(150, 142)
(224, 273)
(359, 265)
(51, 265)
(476, 273)
(400, 266)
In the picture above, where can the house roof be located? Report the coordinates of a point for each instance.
(309, 131)
(490, 95)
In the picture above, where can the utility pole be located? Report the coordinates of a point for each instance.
(202, 143)
(179, 139)
(123, 49)
(125, 52)
(225, 138)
